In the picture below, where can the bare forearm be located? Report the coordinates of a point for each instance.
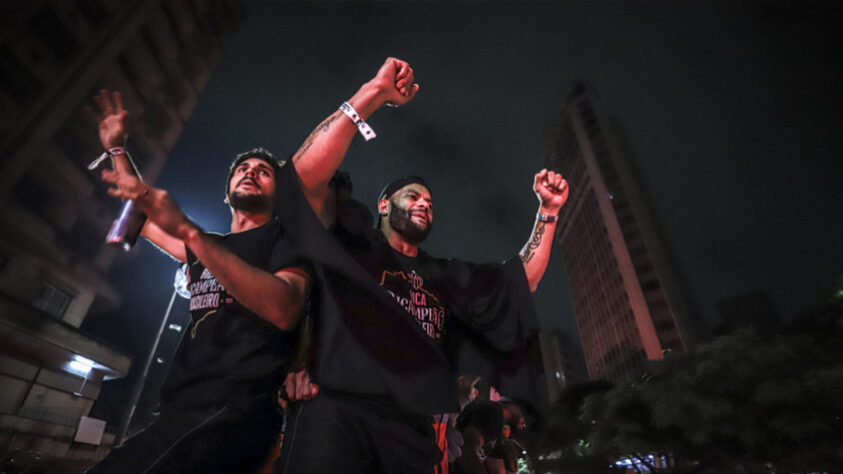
(270, 297)
(320, 155)
(168, 244)
(536, 251)
(324, 149)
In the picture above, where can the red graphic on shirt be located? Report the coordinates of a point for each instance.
(408, 290)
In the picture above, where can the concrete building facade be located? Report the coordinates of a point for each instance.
(629, 299)
(54, 57)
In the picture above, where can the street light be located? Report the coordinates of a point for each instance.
(179, 288)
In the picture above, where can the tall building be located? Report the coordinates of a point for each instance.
(627, 294)
(54, 57)
(562, 362)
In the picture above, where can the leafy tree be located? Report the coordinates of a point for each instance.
(740, 403)
(563, 446)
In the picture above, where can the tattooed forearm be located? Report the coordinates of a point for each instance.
(529, 250)
(321, 128)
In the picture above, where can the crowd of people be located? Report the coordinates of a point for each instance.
(481, 437)
(388, 327)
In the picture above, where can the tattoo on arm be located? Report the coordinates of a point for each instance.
(321, 128)
(535, 241)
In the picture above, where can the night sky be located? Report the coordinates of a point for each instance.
(733, 115)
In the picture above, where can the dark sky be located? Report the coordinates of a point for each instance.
(733, 115)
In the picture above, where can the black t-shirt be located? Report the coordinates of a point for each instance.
(229, 353)
(433, 289)
(472, 313)
(368, 344)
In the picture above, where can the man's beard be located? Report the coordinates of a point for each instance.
(401, 221)
(250, 203)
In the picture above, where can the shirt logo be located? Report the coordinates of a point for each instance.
(408, 290)
(206, 295)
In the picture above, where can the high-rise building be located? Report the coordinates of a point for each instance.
(628, 296)
(562, 362)
(54, 57)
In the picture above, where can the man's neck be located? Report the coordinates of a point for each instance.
(397, 242)
(243, 221)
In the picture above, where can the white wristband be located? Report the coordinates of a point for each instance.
(362, 126)
(106, 154)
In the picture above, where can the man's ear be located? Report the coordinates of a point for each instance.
(383, 207)
(226, 200)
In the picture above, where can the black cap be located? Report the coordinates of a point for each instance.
(399, 183)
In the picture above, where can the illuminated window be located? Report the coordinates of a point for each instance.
(81, 365)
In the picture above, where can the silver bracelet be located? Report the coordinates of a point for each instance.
(546, 217)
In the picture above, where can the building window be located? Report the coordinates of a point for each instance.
(47, 26)
(84, 239)
(73, 147)
(52, 300)
(16, 79)
(93, 12)
(156, 119)
(33, 195)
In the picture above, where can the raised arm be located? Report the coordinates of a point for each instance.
(278, 298)
(111, 118)
(552, 191)
(164, 241)
(324, 149)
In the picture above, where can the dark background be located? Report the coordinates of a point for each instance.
(733, 113)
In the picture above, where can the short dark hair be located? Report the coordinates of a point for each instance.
(260, 153)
